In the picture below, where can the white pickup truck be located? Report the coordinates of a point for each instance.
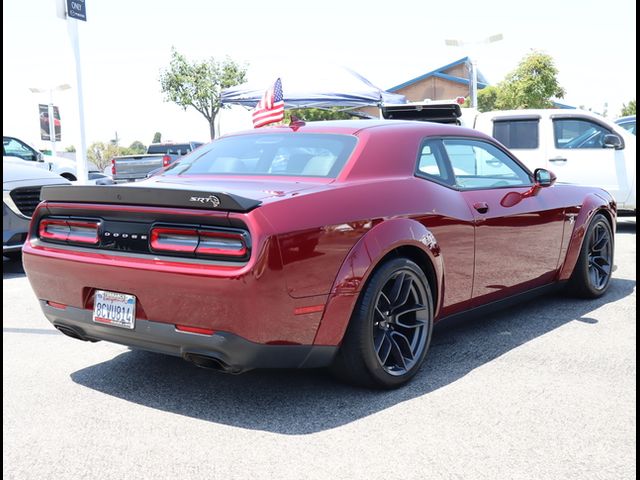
(578, 146)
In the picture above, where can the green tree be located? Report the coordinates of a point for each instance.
(628, 108)
(136, 148)
(487, 98)
(316, 114)
(157, 137)
(70, 148)
(101, 153)
(531, 85)
(198, 84)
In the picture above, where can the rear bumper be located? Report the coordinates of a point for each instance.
(249, 301)
(235, 353)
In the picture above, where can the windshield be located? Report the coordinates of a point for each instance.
(273, 154)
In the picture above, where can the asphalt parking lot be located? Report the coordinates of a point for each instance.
(545, 390)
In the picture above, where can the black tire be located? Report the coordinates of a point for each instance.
(13, 256)
(69, 176)
(384, 347)
(592, 274)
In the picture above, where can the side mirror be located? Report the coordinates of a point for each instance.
(39, 157)
(543, 177)
(612, 141)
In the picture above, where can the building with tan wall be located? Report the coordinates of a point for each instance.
(444, 83)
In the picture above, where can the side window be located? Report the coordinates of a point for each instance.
(431, 162)
(517, 133)
(478, 164)
(578, 133)
(629, 126)
(15, 148)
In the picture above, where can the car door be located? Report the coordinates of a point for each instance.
(518, 235)
(577, 155)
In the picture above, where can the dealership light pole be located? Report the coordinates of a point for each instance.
(52, 120)
(73, 11)
(474, 63)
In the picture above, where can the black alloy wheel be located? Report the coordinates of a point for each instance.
(401, 321)
(600, 256)
(390, 328)
(592, 273)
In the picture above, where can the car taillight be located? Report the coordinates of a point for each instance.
(113, 166)
(166, 160)
(174, 240)
(222, 243)
(74, 231)
(199, 242)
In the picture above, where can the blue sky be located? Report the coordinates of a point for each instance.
(124, 44)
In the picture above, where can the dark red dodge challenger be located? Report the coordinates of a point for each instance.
(332, 243)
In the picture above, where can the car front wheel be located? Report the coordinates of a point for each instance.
(592, 273)
(390, 329)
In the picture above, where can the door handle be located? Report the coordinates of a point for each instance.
(481, 207)
(558, 159)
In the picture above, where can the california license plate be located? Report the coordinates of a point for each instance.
(112, 308)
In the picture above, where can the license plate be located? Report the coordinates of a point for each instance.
(117, 309)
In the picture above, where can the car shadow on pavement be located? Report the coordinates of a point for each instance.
(299, 402)
(11, 268)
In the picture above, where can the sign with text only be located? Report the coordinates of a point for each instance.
(77, 9)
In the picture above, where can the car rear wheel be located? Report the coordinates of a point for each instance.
(390, 329)
(592, 273)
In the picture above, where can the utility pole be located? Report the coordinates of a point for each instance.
(473, 84)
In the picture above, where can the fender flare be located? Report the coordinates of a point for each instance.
(593, 204)
(360, 263)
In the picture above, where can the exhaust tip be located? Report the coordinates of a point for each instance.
(208, 362)
(72, 332)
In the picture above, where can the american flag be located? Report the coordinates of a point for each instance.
(270, 108)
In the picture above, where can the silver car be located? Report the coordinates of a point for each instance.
(20, 196)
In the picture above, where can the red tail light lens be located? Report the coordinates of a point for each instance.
(113, 166)
(73, 231)
(166, 160)
(182, 240)
(200, 242)
(222, 243)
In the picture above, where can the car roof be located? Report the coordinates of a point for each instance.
(355, 127)
(382, 140)
(628, 118)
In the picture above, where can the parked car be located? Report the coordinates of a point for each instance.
(580, 147)
(21, 186)
(128, 168)
(18, 151)
(628, 123)
(331, 243)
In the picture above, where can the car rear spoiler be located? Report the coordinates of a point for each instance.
(164, 197)
(426, 112)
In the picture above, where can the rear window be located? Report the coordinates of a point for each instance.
(171, 149)
(516, 133)
(290, 154)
